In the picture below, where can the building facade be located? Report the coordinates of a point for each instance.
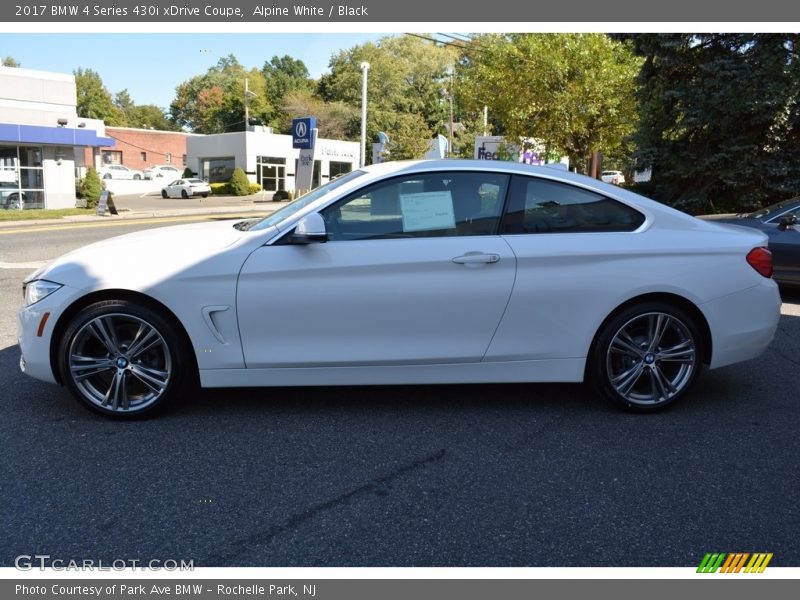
(266, 157)
(143, 148)
(43, 142)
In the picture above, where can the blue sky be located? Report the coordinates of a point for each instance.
(150, 66)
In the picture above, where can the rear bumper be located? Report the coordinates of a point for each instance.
(743, 324)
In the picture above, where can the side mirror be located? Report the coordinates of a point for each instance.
(310, 229)
(787, 221)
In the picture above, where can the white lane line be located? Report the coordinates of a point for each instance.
(34, 264)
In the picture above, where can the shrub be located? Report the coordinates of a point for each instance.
(223, 188)
(282, 195)
(188, 173)
(255, 188)
(91, 187)
(240, 185)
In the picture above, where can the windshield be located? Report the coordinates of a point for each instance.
(303, 201)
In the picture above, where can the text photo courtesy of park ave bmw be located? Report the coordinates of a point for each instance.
(393, 293)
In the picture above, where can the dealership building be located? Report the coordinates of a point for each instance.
(43, 142)
(267, 158)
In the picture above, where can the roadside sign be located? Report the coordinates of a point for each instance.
(106, 202)
(301, 132)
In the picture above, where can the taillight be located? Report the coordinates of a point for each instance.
(761, 260)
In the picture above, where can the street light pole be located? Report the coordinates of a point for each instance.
(364, 69)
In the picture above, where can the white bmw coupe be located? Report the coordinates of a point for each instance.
(408, 273)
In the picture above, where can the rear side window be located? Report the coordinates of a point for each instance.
(542, 206)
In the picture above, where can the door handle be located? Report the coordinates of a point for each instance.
(476, 258)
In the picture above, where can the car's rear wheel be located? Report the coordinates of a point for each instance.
(205, 195)
(184, 194)
(646, 357)
(164, 194)
(123, 359)
(107, 176)
(137, 177)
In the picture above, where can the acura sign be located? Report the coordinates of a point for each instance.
(301, 132)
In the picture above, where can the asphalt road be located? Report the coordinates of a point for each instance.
(489, 475)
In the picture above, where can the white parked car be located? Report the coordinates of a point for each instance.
(615, 177)
(186, 188)
(168, 172)
(408, 273)
(119, 172)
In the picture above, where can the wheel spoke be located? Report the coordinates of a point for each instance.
(112, 395)
(86, 366)
(624, 344)
(146, 337)
(98, 329)
(664, 385)
(155, 379)
(625, 381)
(658, 326)
(682, 352)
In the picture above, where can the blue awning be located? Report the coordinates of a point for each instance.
(62, 136)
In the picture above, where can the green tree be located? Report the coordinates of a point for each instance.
(410, 137)
(720, 118)
(215, 101)
(571, 92)
(10, 61)
(407, 76)
(283, 75)
(335, 120)
(94, 100)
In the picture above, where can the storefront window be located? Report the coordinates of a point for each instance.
(216, 170)
(21, 177)
(336, 168)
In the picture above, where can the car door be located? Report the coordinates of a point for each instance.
(413, 273)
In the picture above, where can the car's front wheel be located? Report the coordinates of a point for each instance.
(137, 177)
(646, 357)
(184, 194)
(123, 359)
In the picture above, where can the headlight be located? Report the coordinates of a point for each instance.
(38, 289)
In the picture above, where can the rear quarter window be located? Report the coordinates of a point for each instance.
(543, 206)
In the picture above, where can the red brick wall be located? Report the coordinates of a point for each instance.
(155, 144)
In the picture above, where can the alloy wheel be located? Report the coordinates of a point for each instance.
(651, 359)
(120, 363)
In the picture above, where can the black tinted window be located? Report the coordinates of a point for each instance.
(542, 206)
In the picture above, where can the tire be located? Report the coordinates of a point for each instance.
(205, 195)
(184, 194)
(137, 177)
(124, 360)
(646, 357)
(107, 176)
(164, 194)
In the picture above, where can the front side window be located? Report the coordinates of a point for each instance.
(543, 206)
(421, 205)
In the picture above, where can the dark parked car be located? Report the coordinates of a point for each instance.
(779, 222)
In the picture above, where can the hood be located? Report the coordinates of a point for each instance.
(137, 259)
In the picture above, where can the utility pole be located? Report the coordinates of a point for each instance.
(364, 69)
(451, 136)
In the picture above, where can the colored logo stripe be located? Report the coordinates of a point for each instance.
(733, 562)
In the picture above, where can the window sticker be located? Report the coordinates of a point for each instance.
(427, 211)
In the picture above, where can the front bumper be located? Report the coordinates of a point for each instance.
(34, 337)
